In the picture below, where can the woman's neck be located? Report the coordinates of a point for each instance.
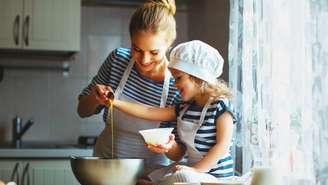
(158, 73)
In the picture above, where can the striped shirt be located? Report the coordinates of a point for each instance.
(137, 87)
(205, 137)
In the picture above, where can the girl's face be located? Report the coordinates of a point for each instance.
(148, 50)
(187, 87)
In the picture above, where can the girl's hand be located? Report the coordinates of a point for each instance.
(99, 93)
(182, 167)
(160, 148)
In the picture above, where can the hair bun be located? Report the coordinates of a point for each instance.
(170, 5)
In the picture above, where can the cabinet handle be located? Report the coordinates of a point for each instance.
(26, 174)
(16, 30)
(15, 172)
(26, 29)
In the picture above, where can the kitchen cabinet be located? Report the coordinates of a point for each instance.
(51, 25)
(37, 172)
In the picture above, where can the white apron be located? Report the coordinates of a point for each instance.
(187, 131)
(128, 141)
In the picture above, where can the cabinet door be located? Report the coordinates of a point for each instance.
(51, 25)
(10, 170)
(50, 172)
(11, 23)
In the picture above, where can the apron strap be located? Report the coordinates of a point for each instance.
(203, 114)
(121, 85)
(183, 111)
(166, 87)
(125, 76)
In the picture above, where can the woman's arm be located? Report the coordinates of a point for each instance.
(87, 106)
(224, 129)
(88, 103)
(96, 92)
(146, 112)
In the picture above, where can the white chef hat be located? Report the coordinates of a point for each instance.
(197, 59)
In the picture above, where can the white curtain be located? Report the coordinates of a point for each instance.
(278, 71)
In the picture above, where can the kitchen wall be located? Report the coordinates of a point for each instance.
(209, 22)
(49, 97)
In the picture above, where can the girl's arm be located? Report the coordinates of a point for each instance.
(224, 129)
(146, 112)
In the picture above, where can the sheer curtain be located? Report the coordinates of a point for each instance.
(278, 60)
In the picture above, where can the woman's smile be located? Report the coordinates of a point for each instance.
(145, 64)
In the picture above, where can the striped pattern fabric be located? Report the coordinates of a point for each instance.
(206, 134)
(139, 88)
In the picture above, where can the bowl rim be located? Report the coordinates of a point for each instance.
(154, 129)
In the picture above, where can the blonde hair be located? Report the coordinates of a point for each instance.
(155, 16)
(214, 91)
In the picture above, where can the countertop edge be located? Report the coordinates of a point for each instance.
(44, 153)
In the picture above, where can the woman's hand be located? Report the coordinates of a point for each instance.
(100, 94)
(160, 148)
(88, 103)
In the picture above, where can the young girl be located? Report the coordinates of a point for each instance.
(204, 118)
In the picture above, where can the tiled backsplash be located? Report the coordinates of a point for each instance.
(49, 98)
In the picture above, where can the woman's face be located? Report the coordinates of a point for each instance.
(148, 50)
(187, 87)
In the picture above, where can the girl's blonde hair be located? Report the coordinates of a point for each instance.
(214, 91)
(155, 16)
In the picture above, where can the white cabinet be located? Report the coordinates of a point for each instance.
(37, 172)
(52, 25)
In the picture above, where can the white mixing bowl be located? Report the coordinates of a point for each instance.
(156, 135)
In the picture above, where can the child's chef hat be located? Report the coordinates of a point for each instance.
(197, 59)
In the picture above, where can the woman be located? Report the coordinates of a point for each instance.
(204, 117)
(137, 75)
